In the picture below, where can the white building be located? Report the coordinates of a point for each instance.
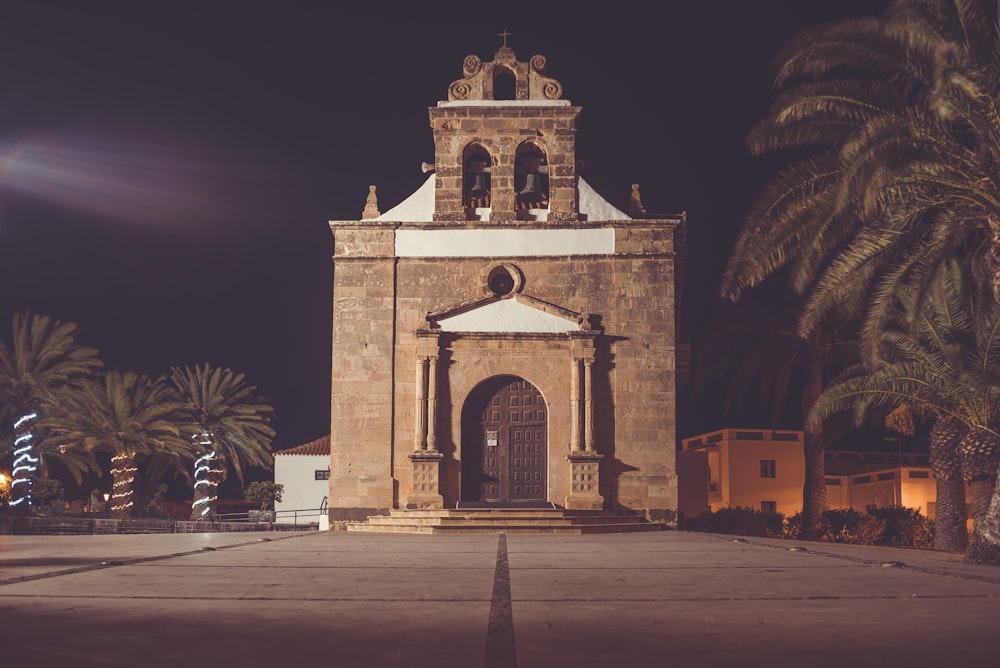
(304, 471)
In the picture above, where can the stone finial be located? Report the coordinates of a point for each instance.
(635, 207)
(371, 205)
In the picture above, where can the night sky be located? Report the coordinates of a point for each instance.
(167, 170)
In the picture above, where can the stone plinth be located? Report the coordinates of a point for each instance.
(585, 481)
(425, 494)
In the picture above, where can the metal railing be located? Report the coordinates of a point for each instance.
(293, 516)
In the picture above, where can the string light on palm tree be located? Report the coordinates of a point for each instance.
(206, 475)
(123, 470)
(24, 460)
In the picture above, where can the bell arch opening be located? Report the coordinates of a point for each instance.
(531, 177)
(504, 84)
(476, 185)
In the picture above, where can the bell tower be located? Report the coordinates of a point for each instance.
(515, 157)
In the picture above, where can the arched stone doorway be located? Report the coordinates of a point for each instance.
(504, 443)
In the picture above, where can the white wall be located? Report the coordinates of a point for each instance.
(298, 474)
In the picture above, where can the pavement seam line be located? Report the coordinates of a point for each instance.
(819, 552)
(500, 652)
(131, 562)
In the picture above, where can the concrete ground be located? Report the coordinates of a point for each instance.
(354, 599)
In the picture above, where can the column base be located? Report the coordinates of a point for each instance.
(585, 470)
(426, 490)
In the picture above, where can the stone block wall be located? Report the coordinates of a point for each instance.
(380, 302)
(500, 131)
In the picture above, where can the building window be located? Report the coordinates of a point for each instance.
(769, 506)
(322, 474)
(835, 482)
(768, 468)
(889, 475)
(860, 480)
(919, 474)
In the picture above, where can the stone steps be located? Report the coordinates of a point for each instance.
(506, 520)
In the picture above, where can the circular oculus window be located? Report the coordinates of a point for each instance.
(503, 280)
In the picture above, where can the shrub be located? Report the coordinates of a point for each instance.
(738, 521)
(904, 527)
(47, 493)
(264, 494)
(897, 527)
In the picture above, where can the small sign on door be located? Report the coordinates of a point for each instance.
(492, 438)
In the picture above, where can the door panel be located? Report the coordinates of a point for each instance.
(514, 427)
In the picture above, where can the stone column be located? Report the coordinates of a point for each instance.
(574, 406)
(588, 404)
(426, 458)
(584, 459)
(432, 377)
(420, 414)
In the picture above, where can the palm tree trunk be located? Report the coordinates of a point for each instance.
(209, 471)
(981, 446)
(814, 488)
(24, 463)
(123, 484)
(950, 515)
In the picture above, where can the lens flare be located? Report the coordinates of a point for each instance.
(128, 179)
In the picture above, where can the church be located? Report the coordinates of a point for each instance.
(504, 337)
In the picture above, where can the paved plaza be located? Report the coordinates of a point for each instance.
(350, 599)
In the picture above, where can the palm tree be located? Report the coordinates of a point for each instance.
(899, 119)
(129, 415)
(230, 426)
(946, 367)
(41, 365)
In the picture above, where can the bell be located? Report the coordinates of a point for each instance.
(530, 192)
(479, 187)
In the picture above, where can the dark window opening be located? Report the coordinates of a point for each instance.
(322, 474)
(769, 506)
(504, 86)
(768, 468)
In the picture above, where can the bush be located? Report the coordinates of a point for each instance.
(897, 527)
(738, 521)
(904, 527)
(264, 494)
(47, 493)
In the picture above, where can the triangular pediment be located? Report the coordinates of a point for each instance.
(510, 314)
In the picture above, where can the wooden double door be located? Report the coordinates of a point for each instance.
(504, 428)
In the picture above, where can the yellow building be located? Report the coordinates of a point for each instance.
(765, 470)
(861, 480)
(762, 469)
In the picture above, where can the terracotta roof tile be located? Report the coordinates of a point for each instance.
(321, 446)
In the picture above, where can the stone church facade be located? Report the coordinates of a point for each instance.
(504, 336)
